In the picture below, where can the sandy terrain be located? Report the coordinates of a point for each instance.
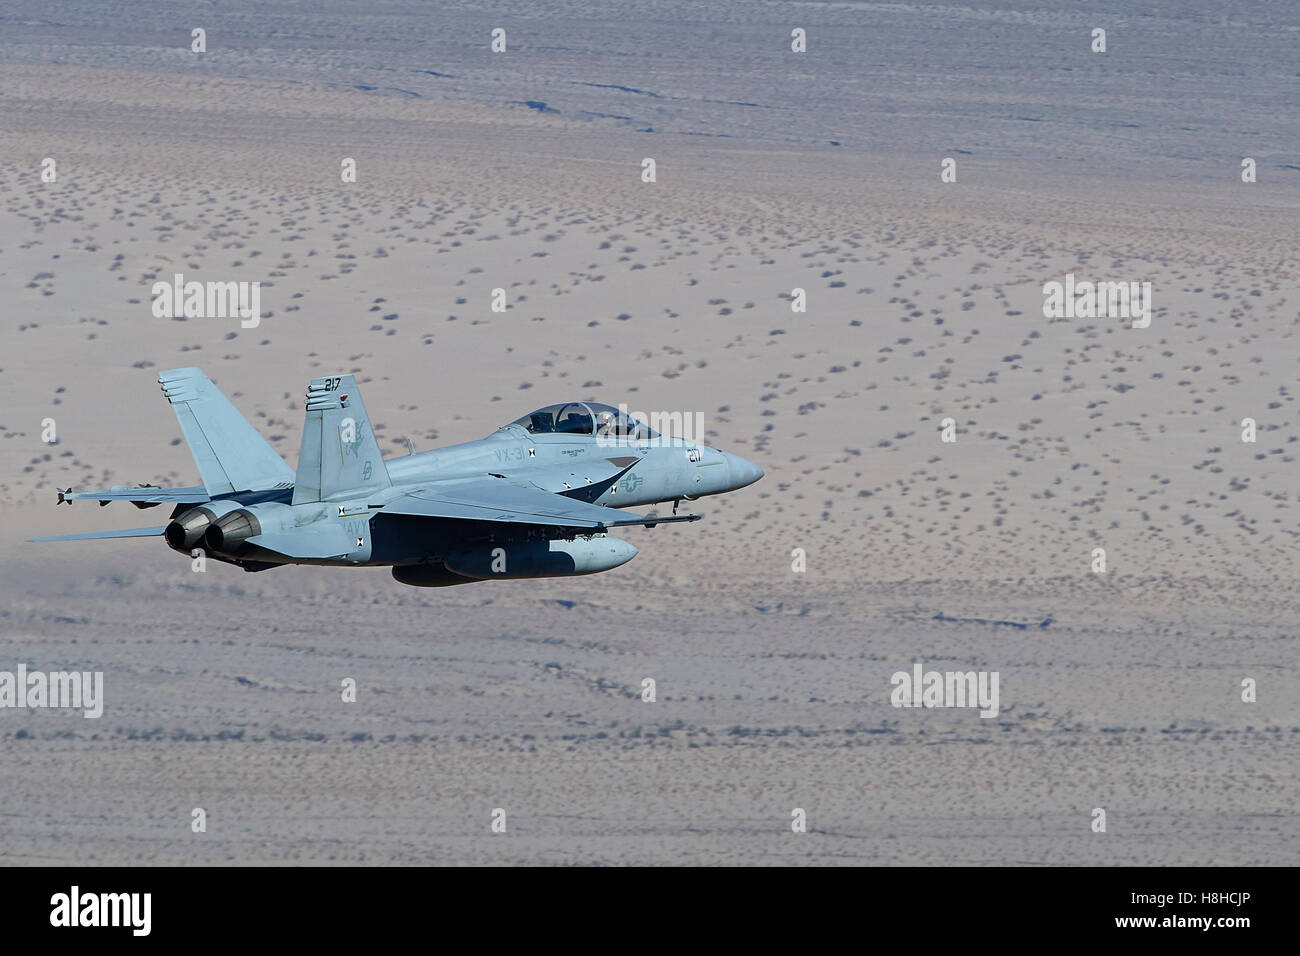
(1118, 690)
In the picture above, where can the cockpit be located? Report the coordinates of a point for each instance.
(585, 418)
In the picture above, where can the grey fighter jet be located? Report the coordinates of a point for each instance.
(537, 498)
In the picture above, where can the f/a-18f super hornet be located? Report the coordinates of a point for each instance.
(535, 499)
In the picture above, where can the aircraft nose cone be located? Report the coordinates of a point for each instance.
(742, 471)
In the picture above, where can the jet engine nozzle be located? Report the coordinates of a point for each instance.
(228, 534)
(186, 530)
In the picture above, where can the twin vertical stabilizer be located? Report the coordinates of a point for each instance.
(339, 451)
(231, 456)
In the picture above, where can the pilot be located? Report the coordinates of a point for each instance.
(605, 423)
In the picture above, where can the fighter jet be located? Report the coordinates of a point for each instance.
(535, 499)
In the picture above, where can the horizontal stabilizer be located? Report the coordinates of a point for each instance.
(498, 500)
(145, 494)
(92, 535)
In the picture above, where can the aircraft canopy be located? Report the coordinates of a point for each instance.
(584, 418)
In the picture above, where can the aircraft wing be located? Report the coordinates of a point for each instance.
(142, 496)
(501, 500)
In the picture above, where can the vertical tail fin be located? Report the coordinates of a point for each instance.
(339, 450)
(229, 452)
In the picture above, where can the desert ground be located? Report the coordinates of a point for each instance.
(1120, 690)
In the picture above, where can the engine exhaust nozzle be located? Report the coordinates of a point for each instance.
(186, 530)
(228, 534)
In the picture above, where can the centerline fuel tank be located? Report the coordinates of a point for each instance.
(540, 559)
